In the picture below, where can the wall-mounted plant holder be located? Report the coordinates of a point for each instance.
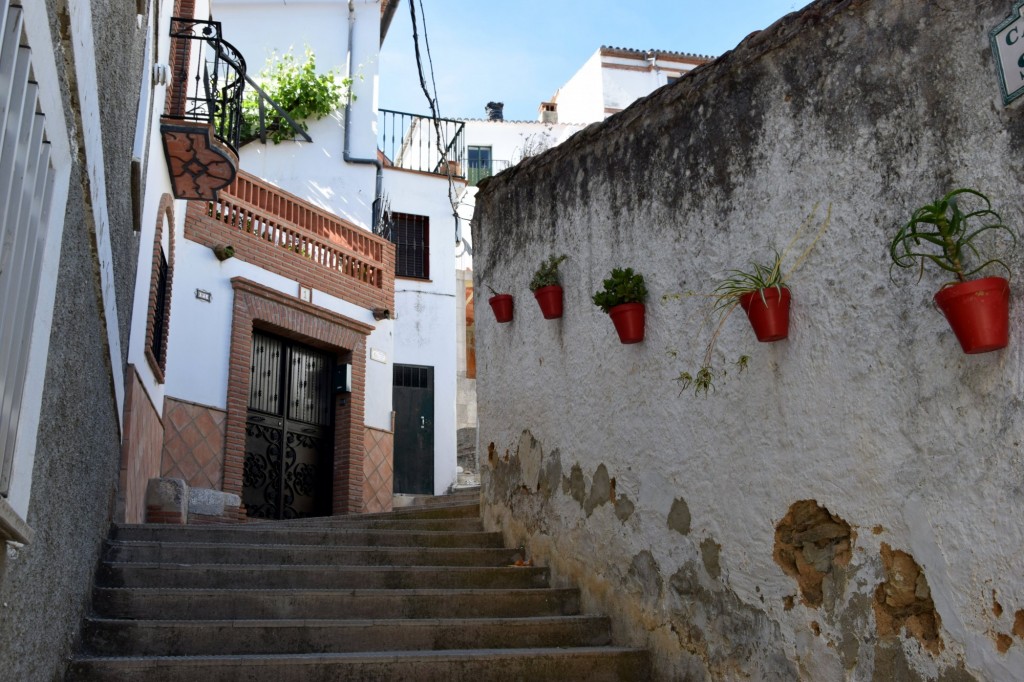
(501, 304)
(224, 251)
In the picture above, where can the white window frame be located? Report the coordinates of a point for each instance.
(36, 32)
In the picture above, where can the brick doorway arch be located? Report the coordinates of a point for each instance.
(257, 306)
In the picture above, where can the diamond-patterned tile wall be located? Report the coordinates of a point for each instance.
(378, 471)
(193, 444)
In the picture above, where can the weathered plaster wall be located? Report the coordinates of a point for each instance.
(45, 585)
(849, 506)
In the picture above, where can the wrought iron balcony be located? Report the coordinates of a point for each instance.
(203, 121)
(422, 143)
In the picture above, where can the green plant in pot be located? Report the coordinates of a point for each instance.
(501, 304)
(763, 294)
(623, 298)
(547, 289)
(949, 234)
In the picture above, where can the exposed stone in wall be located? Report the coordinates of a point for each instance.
(1003, 642)
(679, 517)
(904, 600)
(733, 639)
(809, 543)
(644, 576)
(575, 485)
(1018, 624)
(600, 490)
(709, 550)
(624, 507)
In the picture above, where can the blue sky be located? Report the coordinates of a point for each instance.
(521, 51)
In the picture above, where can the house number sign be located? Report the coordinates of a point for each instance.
(1008, 49)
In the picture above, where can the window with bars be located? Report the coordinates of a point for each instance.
(158, 344)
(27, 181)
(411, 235)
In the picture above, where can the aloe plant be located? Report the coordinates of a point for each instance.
(942, 233)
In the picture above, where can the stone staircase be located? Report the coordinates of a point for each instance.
(418, 594)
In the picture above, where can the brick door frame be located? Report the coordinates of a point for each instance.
(256, 306)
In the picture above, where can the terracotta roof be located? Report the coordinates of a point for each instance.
(643, 54)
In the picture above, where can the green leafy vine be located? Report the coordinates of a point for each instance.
(298, 89)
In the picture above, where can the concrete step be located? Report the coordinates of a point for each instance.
(445, 508)
(413, 502)
(598, 664)
(283, 536)
(106, 637)
(317, 577)
(209, 552)
(198, 604)
(389, 523)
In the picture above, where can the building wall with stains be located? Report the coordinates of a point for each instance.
(848, 505)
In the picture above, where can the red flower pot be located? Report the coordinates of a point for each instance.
(501, 304)
(979, 313)
(769, 316)
(628, 319)
(550, 300)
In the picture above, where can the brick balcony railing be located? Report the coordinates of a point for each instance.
(284, 234)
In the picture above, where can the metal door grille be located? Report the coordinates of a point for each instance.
(409, 376)
(288, 445)
(160, 310)
(309, 389)
(26, 188)
(265, 383)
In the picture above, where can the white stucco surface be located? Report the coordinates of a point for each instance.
(425, 324)
(869, 408)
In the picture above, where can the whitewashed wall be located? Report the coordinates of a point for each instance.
(665, 508)
(425, 324)
(157, 183)
(315, 171)
(581, 99)
(622, 86)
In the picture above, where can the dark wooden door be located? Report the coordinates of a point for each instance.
(289, 439)
(413, 403)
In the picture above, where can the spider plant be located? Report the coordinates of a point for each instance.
(942, 233)
(737, 283)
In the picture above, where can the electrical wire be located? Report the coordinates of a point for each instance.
(435, 110)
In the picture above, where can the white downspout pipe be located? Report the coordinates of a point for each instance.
(346, 153)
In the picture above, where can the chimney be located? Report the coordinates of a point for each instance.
(548, 112)
(494, 111)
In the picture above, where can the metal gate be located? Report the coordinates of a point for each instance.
(288, 435)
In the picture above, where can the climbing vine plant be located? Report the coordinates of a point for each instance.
(298, 89)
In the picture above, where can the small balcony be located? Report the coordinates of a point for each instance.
(281, 233)
(203, 120)
(421, 143)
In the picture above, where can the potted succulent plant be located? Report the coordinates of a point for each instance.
(501, 304)
(623, 299)
(945, 234)
(546, 288)
(763, 294)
